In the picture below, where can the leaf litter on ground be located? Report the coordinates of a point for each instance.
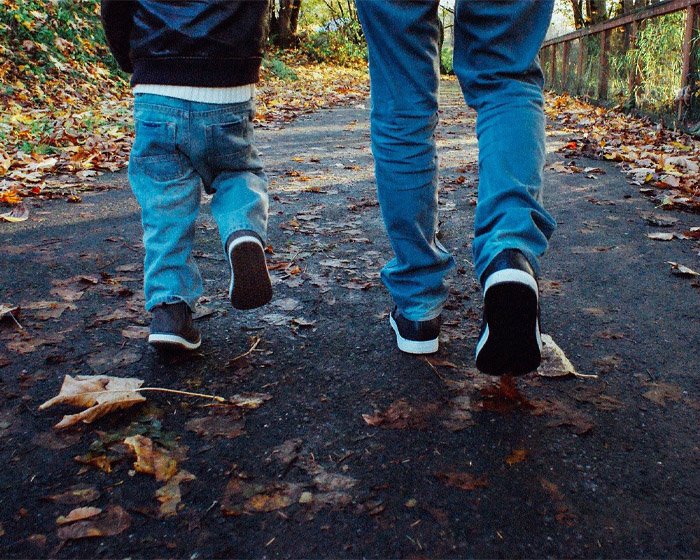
(102, 394)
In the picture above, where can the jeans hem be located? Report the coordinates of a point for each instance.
(191, 303)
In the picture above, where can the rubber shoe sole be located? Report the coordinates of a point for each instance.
(413, 346)
(510, 342)
(171, 343)
(250, 281)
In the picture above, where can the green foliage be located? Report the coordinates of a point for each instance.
(41, 38)
(333, 47)
(278, 68)
(658, 59)
(446, 60)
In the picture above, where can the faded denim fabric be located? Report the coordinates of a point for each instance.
(180, 147)
(496, 62)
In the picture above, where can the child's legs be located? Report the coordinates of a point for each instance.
(495, 59)
(225, 156)
(402, 38)
(168, 190)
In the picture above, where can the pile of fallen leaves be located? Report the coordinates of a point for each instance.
(317, 86)
(664, 163)
(65, 110)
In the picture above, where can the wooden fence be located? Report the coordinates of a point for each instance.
(557, 71)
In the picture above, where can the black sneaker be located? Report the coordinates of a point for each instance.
(415, 337)
(250, 282)
(510, 333)
(172, 329)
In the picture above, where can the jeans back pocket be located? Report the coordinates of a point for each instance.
(155, 151)
(229, 144)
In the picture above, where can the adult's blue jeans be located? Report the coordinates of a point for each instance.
(496, 61)
(180, 147)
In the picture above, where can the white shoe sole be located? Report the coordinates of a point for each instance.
(172, 341)
(413, 346)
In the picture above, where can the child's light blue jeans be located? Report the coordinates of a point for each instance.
(179, 147)
(496, 62)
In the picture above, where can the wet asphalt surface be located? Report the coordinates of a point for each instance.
(357, 450)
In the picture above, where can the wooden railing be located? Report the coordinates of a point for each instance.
(632, 22)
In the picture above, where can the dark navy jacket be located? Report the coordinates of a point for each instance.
(201, 43)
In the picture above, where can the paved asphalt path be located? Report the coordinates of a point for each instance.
(355, 449)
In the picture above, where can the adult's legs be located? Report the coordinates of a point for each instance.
(402, 38)
(495, 59)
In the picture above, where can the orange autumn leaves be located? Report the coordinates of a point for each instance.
(664, 163)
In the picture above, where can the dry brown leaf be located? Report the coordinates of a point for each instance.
(661, 392)
(48, 309)
(401, 415)
(151, 459)
(249, 400)
(244, 497)
(78, 514)
(113, 522)
(101, 395)
(19, 213)
(554, 361)
(518, 456)
(217, 426)
(170, 495)
(78, 494)
(681, 270)
(462, 481)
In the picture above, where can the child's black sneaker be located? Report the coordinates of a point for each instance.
(510, 339)
(250, 281)
(415, 337)
(172, 329)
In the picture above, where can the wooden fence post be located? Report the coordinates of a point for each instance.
(689, 37)
(565, 65)
(553, 67)
(603, 70)
(632, 85)
(579, 66)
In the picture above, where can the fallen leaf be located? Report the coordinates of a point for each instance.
(113, 522)
(554, 361)
(565, 415)
(78, 494)
(217, 426)
(151, 458)
(55, 440)
(504, 397)
(330, 482)
(401, 415)
(661, 392)
(78, 514)
(459, 413)
(100, 394)
(661, 236)
(108, 360)
(19, 213)
(683, 271)
(518, 456)
(249, 400)
(48, 309)
(134, 332)
(462, 481)
(243, 497)
(170, 495)
(659, 220)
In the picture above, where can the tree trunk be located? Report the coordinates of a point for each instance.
(283, 21)
(577, 9)
(596, 11)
